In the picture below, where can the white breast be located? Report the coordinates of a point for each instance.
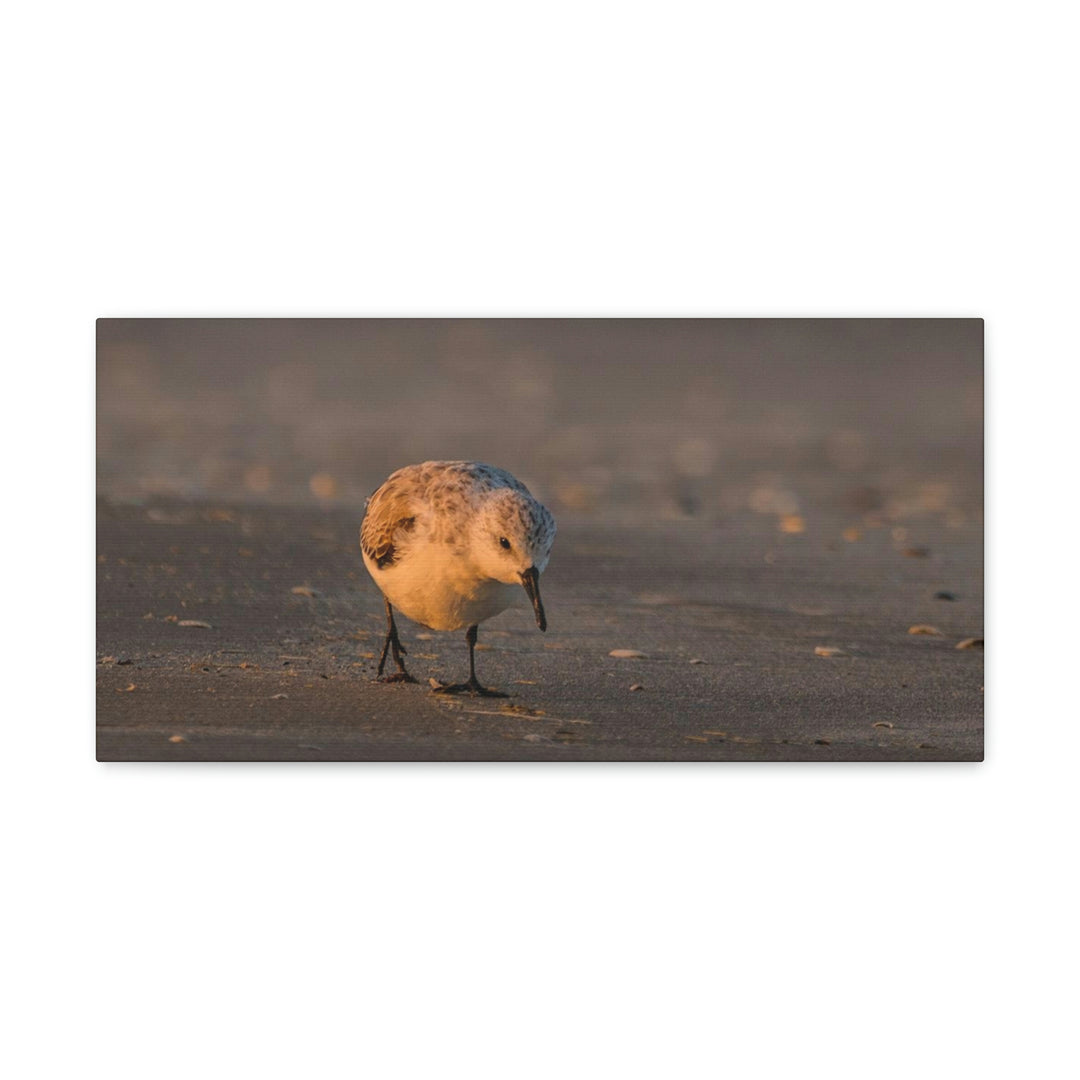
(432, 586)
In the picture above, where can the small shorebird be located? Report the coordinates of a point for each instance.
(449, 543)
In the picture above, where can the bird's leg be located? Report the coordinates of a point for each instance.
(393, 643)
(472, 686)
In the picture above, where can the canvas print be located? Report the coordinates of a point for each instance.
(540, 540)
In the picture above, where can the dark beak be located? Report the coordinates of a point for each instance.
(531, 580)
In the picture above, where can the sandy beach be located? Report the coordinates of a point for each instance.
(765, 514)
(285, 668)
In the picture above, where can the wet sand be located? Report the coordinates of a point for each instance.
(281, 675)
(739, 492)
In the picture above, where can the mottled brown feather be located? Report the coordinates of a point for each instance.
(390, 513)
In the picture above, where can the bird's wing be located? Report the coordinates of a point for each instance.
(390, 517)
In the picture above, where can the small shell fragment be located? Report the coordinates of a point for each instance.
(177, 738)
(627, 654)
(695, 738)
(303, 590)
(828, 650)
(195, 622)
(636, 686)
(971, 643)
(883, 723)
(922, 628)
(276, 697)
(521, 710)
(698, 661)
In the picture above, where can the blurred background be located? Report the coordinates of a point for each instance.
(617, 420)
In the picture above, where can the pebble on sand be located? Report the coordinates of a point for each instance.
(945, 595)
(323, 486)
(627, 654)
(177, 738)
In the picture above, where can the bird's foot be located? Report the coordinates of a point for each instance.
(470, 687)
(398, 676)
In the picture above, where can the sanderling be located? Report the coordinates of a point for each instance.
(449, 543)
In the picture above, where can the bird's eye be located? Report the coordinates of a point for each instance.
(505, 543)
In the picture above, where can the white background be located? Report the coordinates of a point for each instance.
(534, 921)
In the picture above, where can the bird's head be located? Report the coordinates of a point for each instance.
(511, 542)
